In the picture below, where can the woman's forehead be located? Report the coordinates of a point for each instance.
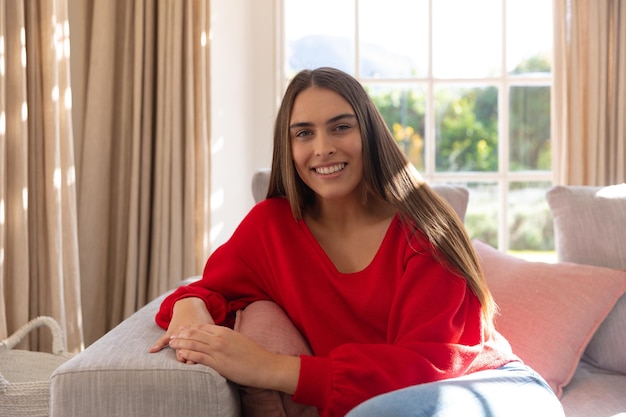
(318, 104)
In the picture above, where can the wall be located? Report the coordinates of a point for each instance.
(243, 95)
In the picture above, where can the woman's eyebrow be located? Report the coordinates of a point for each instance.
(300, 124)
(341, 116)
(330, 121)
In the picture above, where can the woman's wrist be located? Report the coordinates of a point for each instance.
(192, 307)
(285, 374)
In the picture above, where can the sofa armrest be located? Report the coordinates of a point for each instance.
(116, 376)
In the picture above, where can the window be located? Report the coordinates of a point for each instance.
(465, 89)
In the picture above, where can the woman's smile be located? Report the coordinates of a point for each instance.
(328, 170)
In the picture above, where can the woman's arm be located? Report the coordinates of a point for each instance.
(237, 357)
(231, 277)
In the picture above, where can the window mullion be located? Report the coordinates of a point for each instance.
(503, 163)
(503, 139)
(357, 41)
(430, 145)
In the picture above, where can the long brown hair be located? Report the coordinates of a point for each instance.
(387, 174)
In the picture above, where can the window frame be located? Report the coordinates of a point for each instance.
(503, 177)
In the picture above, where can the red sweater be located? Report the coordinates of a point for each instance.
(403, 320)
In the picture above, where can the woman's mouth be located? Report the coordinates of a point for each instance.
(330, 169)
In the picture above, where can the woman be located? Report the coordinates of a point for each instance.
(370, 265)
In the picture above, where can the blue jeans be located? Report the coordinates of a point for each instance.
(510, 391)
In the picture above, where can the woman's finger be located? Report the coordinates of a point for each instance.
(160, 343)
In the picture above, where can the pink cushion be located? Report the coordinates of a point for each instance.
(268, 325)
(549, 312)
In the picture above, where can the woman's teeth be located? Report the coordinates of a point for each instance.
(330, 169)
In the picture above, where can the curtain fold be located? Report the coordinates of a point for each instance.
(589, 94)
(144, 155)
(39, 273)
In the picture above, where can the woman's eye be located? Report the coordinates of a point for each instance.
(303, 133)
(342, 127)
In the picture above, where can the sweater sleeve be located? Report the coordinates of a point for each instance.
(434, 333)
(229, 281)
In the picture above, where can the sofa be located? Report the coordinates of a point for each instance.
(565, 319)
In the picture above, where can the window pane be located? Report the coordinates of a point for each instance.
(319, 33)
(467, 38)
(529, 128)
(466, 129)
(529, 36)
(530, 220)
(403, 109)
(393, 38)
(481, 219)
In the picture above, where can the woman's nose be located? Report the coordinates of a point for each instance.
(324, 145)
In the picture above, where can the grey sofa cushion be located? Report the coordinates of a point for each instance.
(457, 196)
(116, 376)
(590, 224)
(590, 228)
(594, 392)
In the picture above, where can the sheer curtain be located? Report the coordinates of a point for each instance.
(39, 263)
(589, 95)
(142, 152)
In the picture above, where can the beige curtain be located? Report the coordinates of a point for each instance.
(142, 153)
(39, 267)
(589, 95)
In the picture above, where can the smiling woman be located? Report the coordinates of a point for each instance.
(347, 223)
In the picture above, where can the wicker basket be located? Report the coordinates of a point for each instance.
(25, 375)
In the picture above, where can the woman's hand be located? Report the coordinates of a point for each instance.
(187, 312)
(237, 357)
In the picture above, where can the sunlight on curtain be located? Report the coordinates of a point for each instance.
(38, 231)
(143, 167)
(589, 96)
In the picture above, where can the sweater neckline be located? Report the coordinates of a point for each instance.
(331, 265)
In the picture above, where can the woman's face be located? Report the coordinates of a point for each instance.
(326, 144)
